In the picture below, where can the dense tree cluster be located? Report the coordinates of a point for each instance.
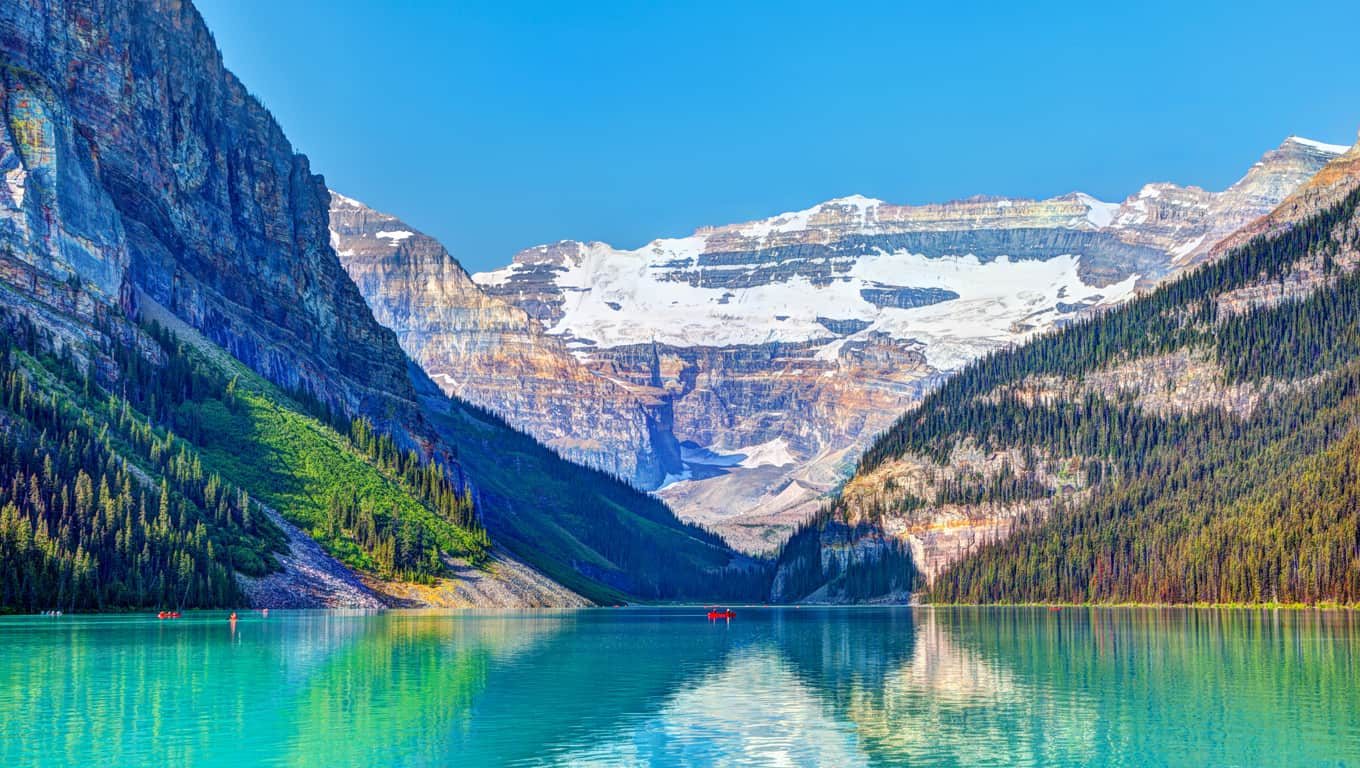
(1188, 507)
(107, 503)
(1280, 341)
(882, 570)
(607, 530)
(82, 524)
(402, 525)
(1265, 509)
(428, 480)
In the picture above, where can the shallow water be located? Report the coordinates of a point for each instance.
(830, 687)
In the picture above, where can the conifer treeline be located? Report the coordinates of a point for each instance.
(644, 549)
(868, 572)
(428, 480)
(81, 528)
(106, 504)
(401, 546)
(1295, 338)
(1265, 509)
(1188, 507)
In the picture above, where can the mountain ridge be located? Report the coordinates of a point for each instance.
(844, 312)
(1100, 461)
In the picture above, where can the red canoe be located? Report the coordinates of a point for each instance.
(728, 614)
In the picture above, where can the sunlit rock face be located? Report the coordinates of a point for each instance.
(780, 347)
(132, 163)
(1325, 188)
(493, 354)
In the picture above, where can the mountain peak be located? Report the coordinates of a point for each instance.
(856, 200)
(1331, 149)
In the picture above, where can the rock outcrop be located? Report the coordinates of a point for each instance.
(493, 354)
(132, 158)
(1328, 186)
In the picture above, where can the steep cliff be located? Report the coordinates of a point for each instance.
(136, 160)
(492, 354)
(776, 349)
(141, 183)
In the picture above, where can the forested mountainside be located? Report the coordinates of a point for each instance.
(1197, 444)
(844, 314)
(142, 189)
(158, 487)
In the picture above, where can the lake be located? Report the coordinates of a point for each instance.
(667, 687)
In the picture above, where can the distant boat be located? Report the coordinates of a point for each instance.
(721, 613)
(168, 615)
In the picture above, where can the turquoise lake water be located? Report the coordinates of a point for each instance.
(665, 687)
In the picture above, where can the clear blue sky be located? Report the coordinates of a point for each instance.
(499, 125)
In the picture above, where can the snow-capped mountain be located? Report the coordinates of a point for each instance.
(782, 345)
(741, 369)
(491, 353)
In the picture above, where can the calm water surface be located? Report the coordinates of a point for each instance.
(665, 687)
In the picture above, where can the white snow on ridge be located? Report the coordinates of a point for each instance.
(1334, 149)
(1098, 212)
(798, 221)
(661, 293)
(992, 298)
(349, 201)
(396, 235)
(1185, 249)
(774, 453)
(794, 221)
(495, 276)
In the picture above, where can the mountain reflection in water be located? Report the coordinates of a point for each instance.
(666, 687)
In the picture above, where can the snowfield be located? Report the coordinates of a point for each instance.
(621, 297)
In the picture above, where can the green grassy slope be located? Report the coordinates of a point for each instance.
(143, 490)
(374, 513)
(101, 510)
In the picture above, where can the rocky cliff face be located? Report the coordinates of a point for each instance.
(136, 173)
(493, 354)
(778, 348)
(133, 161)
(1328, 186)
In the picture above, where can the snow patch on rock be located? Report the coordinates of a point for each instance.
(1331, 149)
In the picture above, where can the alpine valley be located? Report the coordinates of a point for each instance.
(224, 384)
(740, 371)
